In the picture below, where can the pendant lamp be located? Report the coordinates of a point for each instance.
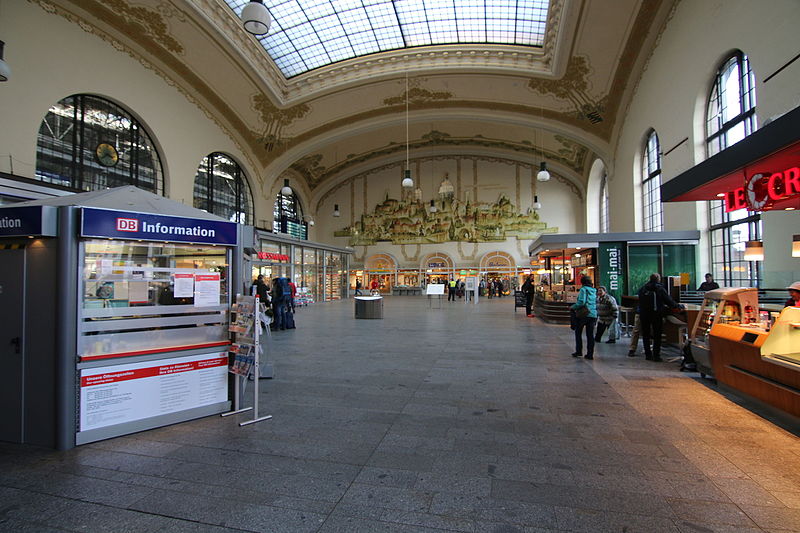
(795, 245)
(407, 180)
(255, 18)
(754, 251)
(536, 205)
(286, 190)
(336, 212)
(543, 174)
(5, 70)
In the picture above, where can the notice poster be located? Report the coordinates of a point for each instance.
(138, 292)
(125, 393)
(434, 289)
(184, 286)
(206, 290)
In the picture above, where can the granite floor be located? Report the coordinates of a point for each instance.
(464, 418)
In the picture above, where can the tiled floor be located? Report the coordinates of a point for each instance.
(465, 418)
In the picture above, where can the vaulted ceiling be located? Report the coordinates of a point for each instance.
(562, 102)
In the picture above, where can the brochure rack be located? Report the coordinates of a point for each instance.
(246, 350)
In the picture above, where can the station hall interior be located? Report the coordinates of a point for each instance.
(156, 156)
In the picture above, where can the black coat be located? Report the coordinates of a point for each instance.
(655, 300)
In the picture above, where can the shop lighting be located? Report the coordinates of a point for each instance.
(255, 18)
(795, 245)
(754, 251)
(286, 190)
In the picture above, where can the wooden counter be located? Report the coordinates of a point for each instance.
(737, 363)
(552, 312)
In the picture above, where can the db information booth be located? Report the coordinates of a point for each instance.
(136, 304)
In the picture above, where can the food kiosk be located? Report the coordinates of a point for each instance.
(120, 316)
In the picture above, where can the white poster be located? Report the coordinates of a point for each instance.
(138, 292)
(434, 288)
(184, 286)
(124, 393)
(470, 284)
(206, 290)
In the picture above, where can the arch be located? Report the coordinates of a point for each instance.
(221, 187)
(288, 217)
(90, 143)
(380, 261)
(652, 212)
(497, 260)
(440, 260)
(598, 179)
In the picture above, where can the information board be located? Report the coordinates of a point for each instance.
(434, 289)
(117, 394)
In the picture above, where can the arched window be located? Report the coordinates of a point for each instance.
(605, 222)
(220, 187)
(651, 184)
(88, 143)
(731, 117)
(731, 105)
(288, 216)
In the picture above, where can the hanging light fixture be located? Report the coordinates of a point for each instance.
(536, 205)
(5, 71)
(543, 174)
(433, 207)
(255, 18)
(754, 251)
(407, 181)
(795, 245)
(286, 190)
(336, 212)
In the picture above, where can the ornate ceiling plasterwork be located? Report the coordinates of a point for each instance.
(571, 154)
(275, 120)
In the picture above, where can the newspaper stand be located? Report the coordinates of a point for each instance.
(246, 353)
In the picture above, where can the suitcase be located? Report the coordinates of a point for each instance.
(288, 319)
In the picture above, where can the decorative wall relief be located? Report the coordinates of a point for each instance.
(574, 88)
(275, 120)
(410, 221)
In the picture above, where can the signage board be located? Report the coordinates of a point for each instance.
(128, 225)
(271, 256)
(434, 289)
(763, 190)
(118, 394)
(32, 220)
(610, 261)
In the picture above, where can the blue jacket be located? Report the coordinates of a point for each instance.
(587, 296)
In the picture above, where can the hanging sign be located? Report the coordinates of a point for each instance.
(149, 227)
(610, 260)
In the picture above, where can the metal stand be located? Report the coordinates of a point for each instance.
(256, 329)
(430, 300)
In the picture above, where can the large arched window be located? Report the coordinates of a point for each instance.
(731, 117)
(221, 188)
(651, 184)
(605, 221)
(288, 216)
(731, 105)
(88, 143)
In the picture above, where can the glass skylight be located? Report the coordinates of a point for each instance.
(307, 34)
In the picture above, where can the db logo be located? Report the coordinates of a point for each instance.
(127, 224)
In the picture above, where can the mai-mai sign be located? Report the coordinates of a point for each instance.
(762, 190)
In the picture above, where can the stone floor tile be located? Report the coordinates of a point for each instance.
(711, 512)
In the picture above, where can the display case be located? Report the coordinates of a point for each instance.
(720, 306)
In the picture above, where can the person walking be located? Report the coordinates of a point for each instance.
(358, 287)
(585, 309)
(654, 302)
(607, 312)
(528, 289)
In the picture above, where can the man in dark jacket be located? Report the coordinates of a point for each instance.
(528, 290)
(654, 303)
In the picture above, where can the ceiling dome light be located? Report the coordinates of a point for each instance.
(5, 70)
(286, 190)
(543, 174)
(255, 18)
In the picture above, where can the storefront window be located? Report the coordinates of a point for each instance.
(642, 261)
(139, 296)
(680, 259)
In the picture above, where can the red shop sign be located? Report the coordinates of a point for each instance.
(763, 190)
(270, 256)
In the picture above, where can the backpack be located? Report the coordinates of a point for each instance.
(285, 289)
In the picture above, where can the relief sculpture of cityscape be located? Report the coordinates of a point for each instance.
(412, 221)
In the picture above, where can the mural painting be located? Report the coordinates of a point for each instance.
(411, 221)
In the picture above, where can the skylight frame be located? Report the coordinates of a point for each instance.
(310, 34)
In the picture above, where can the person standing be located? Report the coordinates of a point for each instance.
(587, 298)
(709, 284)
(528, 290)
(451, 290)
(607, 312)
(278, 305)
(293, 288)
(654, 301)
(358, 287)
(374, 287)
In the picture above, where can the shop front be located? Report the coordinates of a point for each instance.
(621, 262)
(319, 271)
(133, 331)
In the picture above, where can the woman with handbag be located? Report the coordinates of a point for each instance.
(585, 309)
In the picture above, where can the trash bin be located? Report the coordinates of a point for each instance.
(369, 306)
